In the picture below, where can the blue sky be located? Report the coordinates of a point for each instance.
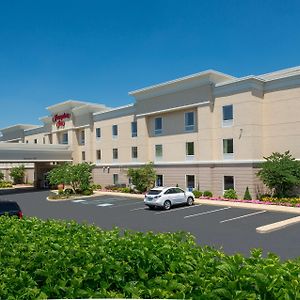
(98, 51)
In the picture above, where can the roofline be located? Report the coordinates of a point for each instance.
(20, 126)
(188, 77)
(114, 109)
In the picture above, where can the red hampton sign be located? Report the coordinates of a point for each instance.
(59, 120)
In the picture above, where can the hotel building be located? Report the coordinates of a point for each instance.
(208, 131)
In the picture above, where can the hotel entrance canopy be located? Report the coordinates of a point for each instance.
(29, 153)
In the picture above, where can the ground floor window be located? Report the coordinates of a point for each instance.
(159, 180)
(116, 178)
(83, 155)
(190, 181)
(228, 183)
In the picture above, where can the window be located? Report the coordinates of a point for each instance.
(35, 141)
(115, 153)
(227, 115)
(44, 141)
(158, 126)
(64, 139)
(190, 181)
(134, 152)
(98, 154)
(116, 178)
(98, 133)
(189, 121)
(26, 141)
(50, 139)
(158, 151)
(82, 137)
(133, 129)
(228, 148)
(83, 155)
(189, 149)
(115, 131)
(159, 180)
(228, 183)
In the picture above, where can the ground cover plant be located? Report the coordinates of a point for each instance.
(63, 259)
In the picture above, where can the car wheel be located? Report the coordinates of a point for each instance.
(190, 201)
(167, 205)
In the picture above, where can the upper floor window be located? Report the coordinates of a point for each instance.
(227, 115)
(133, 129)
(134, 152)
(158, 126)
(158, 151)
(115, 131)
(64, 139)
(115, 153)
(189, 121)
(98, 133)
(189, 149)
(228, 148)
(82, 137)
(98, 154)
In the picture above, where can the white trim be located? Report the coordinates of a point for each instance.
(182, 107)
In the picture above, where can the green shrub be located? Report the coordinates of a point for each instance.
(95, 187)
(207, 194)
(293, 201)
(230, 194)
(63, 259)
(87, 192)
(61, 192)
(1, 176)
(5, 184)
(125, 190)
(18, 173)
(68, 192)
(247, 195)
(197, 193)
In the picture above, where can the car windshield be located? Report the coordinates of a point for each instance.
(154, 192)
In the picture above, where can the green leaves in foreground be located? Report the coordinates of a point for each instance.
(57, 259)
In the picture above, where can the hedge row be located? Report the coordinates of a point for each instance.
(60, 259)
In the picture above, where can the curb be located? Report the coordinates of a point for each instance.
(276, 208)
(277, 225)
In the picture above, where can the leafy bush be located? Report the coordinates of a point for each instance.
(197, 193)
(95, 187)
(18, 173)
(230, 194)
(125, 190)
(112, 187)
(247, 195)
(207, 194)
(143, 178)
(280, 173)
(87, 192)
(5, 184)
(68, 192)
(60, 259)
(1, 176)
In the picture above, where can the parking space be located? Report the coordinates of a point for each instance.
(230, 228)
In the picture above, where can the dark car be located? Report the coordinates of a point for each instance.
(11, 208)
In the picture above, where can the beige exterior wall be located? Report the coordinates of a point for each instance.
(265, 119)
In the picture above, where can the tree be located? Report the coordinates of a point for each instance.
(78, 176)
(247, 195)
(143, 178)
(18, 173)
(1, 176)
(280, 173)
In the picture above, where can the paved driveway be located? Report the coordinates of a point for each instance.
(232, 229)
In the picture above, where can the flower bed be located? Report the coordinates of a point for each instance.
(291, 202)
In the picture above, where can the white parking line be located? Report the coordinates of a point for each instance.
(105, 204)
(244, 216)
(139, 208)
(78, 201)
(126, 204)
(206, 212)
(174, 210)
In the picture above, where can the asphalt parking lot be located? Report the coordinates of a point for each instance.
(232, 229)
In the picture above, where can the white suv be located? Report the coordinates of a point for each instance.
(166, 197)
